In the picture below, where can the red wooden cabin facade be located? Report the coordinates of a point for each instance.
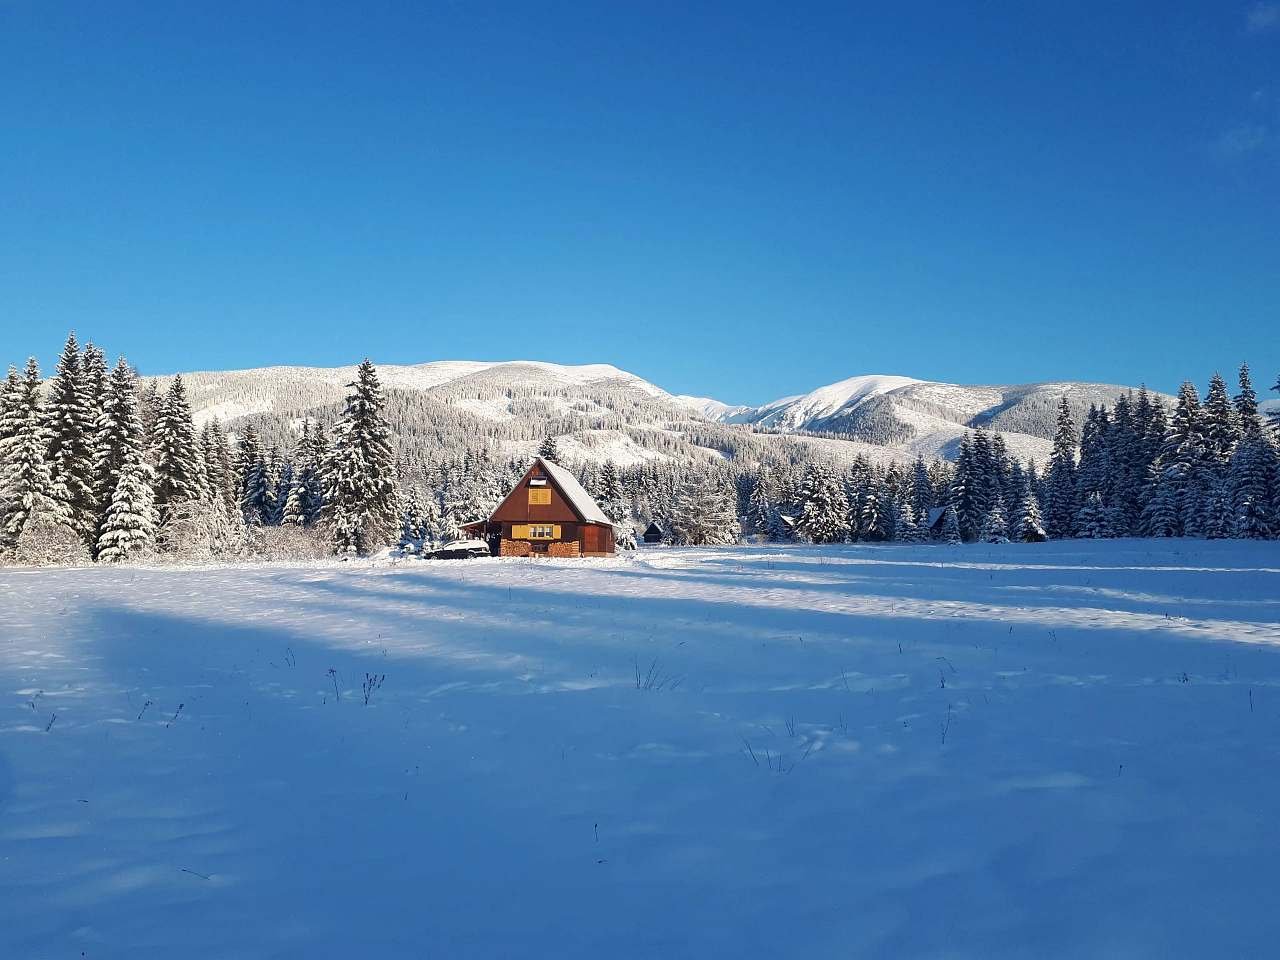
(547, 513)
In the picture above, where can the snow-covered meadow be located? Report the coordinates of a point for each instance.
(1064, 749)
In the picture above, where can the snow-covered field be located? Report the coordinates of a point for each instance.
(1022, 751)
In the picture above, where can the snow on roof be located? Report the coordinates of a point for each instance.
(578, 498)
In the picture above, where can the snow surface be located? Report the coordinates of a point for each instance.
(1059, 750)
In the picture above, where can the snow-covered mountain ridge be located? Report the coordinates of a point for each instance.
(605, 412)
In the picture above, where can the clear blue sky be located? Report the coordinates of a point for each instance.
(742, 200)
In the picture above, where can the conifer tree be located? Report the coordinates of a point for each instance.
(995, 526)
(414, 532)
(1246, 403)
(360, 492)
(905, 527)
(874, 517)
(1093, 520)
(760, 509)
(1220, 427)
(1060, 477)
(549, 451)
(961, 495)
(705, 512)
(223, 482)
(611, 499)
(255, 480)
(29, 500)
(316, 465)
(94, 364)
(174, 453)
(129, 527)
(11, 410)
(119, 441)
(1254, 483)
(823, 506)
(922, 489)
(70, 437)
(1028, 525)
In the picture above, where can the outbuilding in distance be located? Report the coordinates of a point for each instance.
(547, 513)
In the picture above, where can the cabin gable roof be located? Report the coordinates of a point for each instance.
(580, 505)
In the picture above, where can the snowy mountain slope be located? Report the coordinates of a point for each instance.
(709, 408)
(916, 416)
(227, 395)
(604, 412)
(820, 405)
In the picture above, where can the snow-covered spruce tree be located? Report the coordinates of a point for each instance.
(223, 482)
(1219, 424)
(316, 460)
(995, 526)
(1254, 486)
(279, 477)
(823, 506)
(1126, 476)
(35, 523)
(875, 521)
(923, 493)
(1160, 516)
(612, 500)
(1028, 525)
(984, 487)
(1060, 477)
(905, 527)
(119, 441)
(1180, 471)
(69, 425)
(361, 506)
(760, 509)
(549, 451)
(94, 365)
(294, 511)
(128, 530)
(1246, 403)
(705, 511)
(254, 479)
(174, 453)
(1094, 468)
(415, 530)
(10, 408)
(1092, 519)
(1216, 514)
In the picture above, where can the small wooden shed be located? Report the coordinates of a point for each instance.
(547, 513)
(653, 533)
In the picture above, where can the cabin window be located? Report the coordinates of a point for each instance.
(539, 496)
(535, 531)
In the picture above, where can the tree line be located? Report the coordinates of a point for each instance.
(96, 464)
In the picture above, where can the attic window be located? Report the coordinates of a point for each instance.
(537, 481)
(539, 496)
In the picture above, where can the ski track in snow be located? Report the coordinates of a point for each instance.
(1057, 750)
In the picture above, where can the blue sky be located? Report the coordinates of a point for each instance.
(743, 200)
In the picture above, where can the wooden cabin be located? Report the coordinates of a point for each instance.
(546, 514)
(653, 533)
